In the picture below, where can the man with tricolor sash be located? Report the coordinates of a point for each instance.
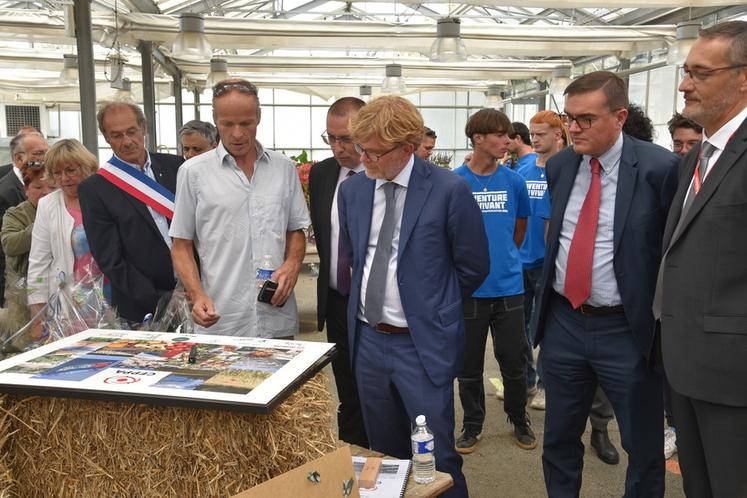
(127, 209)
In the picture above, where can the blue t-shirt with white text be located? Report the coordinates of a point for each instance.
(502, 197)
(525, 161)
(532, 251)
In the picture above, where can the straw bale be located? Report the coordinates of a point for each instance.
(59, 447)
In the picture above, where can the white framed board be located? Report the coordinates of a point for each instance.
(200, 371)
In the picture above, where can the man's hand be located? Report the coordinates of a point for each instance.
(286, 277)
(203, 311)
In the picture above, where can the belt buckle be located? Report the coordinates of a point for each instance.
(583, 309)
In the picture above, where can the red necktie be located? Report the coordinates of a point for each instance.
(343, 262)
(578, 271)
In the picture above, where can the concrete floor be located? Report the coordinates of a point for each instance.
(499, 468)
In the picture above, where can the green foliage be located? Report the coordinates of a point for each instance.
(441, 159)
(303, 157)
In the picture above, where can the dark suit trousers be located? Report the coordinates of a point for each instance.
(349, 417)
(395, 389)
(711, 440)
(579, 351)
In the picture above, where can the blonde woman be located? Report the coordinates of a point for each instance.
(58, 242)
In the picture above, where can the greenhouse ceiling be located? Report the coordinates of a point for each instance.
(328, 47)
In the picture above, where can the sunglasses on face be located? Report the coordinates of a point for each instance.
(240, 86)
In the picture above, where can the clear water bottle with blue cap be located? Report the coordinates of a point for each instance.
(265, 269)
(423, 453)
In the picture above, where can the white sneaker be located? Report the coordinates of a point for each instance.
(538, 403)
(498, 384)
(670, 442)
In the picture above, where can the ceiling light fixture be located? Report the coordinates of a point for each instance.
(494, 98)
(124, 90)
(687, 33)
(393, 82)
(116, 68)
(448, 45)
(218, 72)
(191, 42)
(69, 73)
(365, 92)
(561, 78)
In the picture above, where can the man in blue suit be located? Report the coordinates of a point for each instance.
(417, 244)
(610, 195)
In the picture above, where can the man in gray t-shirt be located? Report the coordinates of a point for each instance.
(237, 204)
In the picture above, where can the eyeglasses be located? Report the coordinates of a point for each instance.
(584, 121)
(331, 139)
(240, 86)
(38, 153)
(362, 151)
(118, 136)
(35, 165)
(69, 171)
(704, 74)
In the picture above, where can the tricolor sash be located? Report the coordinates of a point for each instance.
(139, 185)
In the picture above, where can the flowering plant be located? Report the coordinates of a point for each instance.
(303, 168)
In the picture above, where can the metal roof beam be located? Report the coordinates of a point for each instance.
(673, 16)
(430, 13)
(147, 6)
(300, 9)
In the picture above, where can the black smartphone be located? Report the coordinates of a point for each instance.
(267, 291)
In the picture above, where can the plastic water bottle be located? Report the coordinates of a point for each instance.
(264, 270)
(423, 456)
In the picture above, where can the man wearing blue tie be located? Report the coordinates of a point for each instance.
(416, 241)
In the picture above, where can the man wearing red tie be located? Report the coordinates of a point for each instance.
(610, 195)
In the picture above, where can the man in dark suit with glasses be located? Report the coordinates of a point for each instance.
(333, 283)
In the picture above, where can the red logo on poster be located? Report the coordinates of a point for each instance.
(121, 379)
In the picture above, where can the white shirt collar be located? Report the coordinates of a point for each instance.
(403, 178)
(145, 167)
(221, 152)
(722, 136)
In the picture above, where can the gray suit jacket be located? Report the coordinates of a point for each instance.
(704, 292)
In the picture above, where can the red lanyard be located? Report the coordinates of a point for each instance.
(696, 174)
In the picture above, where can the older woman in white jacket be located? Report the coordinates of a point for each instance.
(59, 248)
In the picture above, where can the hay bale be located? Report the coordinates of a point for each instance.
(66, 447)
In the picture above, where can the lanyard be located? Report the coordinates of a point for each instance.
(696, 174)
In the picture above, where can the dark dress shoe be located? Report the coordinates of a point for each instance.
(606, 451)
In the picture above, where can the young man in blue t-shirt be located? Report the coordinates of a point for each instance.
(545, 132)
(498, 304)
(520, 147)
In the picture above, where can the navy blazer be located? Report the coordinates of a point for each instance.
(442, 258)
(646, 183)
(125, 242)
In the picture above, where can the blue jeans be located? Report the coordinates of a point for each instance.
(532, 277)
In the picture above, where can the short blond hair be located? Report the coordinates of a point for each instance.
(70, 152)
(391, 119)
